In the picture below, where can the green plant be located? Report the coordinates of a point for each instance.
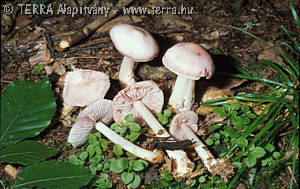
(38, 68)
(94, 153)
(280, 109)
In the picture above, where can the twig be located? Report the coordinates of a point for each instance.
(90, 28)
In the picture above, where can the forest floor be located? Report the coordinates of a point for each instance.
(205, 22)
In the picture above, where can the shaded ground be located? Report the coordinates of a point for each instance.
(208, 25)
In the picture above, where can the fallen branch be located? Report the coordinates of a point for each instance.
(93, 26)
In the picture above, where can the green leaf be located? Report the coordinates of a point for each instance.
(168, 176)
(242, 142)
(220, 111)
(134, 127)
(139, 165)
(92, 139)
(83, 156)
(119, 165)
(258, 152)
(129, 118)
(162, 118)
(133, 136)
(167, 113)
(209, 142)
(136, 182)
(53, 175)
(202, 179)
(26, 110)
(97, 149)
(214, 127)
(230, 132)
(244, 108)
(104, 143)
(74, 160)
(26, 152)
(117, 150)
(104, 181)
(127, 177)
(91, 150)
(250, 160)
(270, 147)
(276, 155)
(235, 106)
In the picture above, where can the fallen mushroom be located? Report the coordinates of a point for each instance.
(190, 62)
(83, 87)
(183, 127)
(136, 44)
(101, 111)
(85, 122)
(143, 99)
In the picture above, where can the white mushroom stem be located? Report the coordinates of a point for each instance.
(182, 97)
(155, 156)
(207, 158)
(156, 127)
(184, 165)
(126, 74)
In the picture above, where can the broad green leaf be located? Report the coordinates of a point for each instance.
(104, 181)
(250, 160)
(276, 155)
(139, 165)
(202, 179)
(129, 118)
(104, 143)
(258, 152)
(167, 113)
(119, 165)
(270, 147)
(134, 127)
(235, 106)
(53, 175)
(209, 142)
(26, 110)
(75, 160)
(117, 150)
(127, 177)
(133, 136)
(162, 118)
(26, 152)
(136, 181)
(92, 139)
(83, 155)
(242, 142)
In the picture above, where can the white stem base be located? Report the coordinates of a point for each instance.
(153, 123)
(183, 166)
(183, 94)
(207, 158)
(126, 74)
(155, 157)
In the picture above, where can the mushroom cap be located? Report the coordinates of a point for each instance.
(100, 110)
(134, 42)
(146, 91)
(189, 60)
(188, 118)
(83, 87)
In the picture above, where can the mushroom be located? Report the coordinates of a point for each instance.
(136, 44)
(143, 99)
(183, 127)
(190, 62)
(101, 111)
(83, 87)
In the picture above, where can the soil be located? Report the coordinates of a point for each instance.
(208, 25)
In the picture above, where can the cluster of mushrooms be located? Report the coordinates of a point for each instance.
(144, 100)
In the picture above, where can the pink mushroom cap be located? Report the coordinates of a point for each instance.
(189, 60)
(83, 87)
(188, 118)
(134, 42)
(100, 110)
(146, 91)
